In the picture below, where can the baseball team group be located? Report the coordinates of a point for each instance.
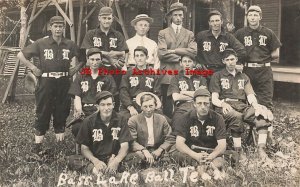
(145, 119)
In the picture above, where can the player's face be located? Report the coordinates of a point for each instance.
(142, 27)
(148, 108)
(187, 63)
(202, 105)
(57, 29)
(106, 107)
(230, 62)
(177, 17)
(140, 58)
(253, 18)
(105, 21)
(215, 22)
(94, 61)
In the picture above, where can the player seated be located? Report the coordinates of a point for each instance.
(200, 137)
(231, 92)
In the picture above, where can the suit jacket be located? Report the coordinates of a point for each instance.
(139, 131)
(183, 43)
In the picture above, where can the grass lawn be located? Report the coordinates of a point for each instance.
(19, 167)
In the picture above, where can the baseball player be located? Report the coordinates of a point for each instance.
(86, 86)
(211, 43)
(231, 89)
(55, 54)
(134, 83)
(173, 42)
(262, 46)
(104, 138)
(184, 85)
(111, 43)
(197, 130)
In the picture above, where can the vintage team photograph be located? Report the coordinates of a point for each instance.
(157, 93)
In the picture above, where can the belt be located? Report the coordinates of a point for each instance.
(55, 74)
(178, 103)
(257, 65)
(213, 65)
(85, 105)
(234, 100)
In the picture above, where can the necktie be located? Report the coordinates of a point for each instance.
(177, 30)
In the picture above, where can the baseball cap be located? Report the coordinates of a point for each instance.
(227, 52)
(214, 12)
(102, 95)
(201, 92)
(105, 11)
(56, 19)
(92, 51)
(254, 8)
(141, 48)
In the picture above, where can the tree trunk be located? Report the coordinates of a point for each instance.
(23, 18)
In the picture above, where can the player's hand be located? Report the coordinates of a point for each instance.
(226, 108)
(230, 27)
(133, 111)
(201, 157)
(99, 165)
(112, 165)
(78, 112)
(156, 153)
(36, 71)
(149, 157)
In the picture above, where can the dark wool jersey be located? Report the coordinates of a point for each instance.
(53, 57)
(210, 49)
(259, 43)
(196, 133)
(102, 140)
(86, 87)
(229, 86)
(132, 84)
(114, 40)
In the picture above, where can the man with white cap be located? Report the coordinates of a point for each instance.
(141, 24)
(173, 42)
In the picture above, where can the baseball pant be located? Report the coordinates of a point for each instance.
(262, 82)
(52, 99)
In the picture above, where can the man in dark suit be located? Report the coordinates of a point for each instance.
(173, 42)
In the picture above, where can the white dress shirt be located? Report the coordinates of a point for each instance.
(174, 26)
(151, 46)
(150, 131)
